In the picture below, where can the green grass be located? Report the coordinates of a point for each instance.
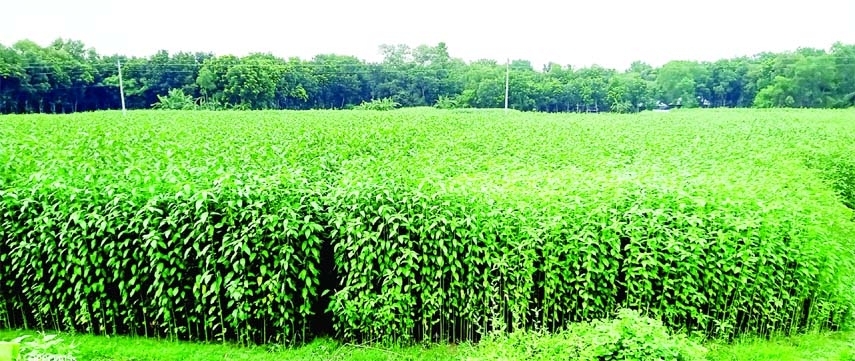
(124, 348)
(836, 346)
(831, 346)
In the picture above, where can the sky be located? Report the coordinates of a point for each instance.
(609, 33)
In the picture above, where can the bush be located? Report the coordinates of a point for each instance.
(378, 104)
(445, 102)
(175, 100)
(28, 348)
(210, 104)
(629, 336)
(622, 107)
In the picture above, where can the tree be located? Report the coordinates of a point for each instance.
(593, 85)
(75, 73)
(629, 92)
(164, 72)
(12, 79)
(814, 81)
(644, 70)
(341, 81)
(844, 57)
(484, 85)
(528, 91)
(252, 82)
(777, 94)
(213, 78)
(683, 82)
(296, 84)
(727, 81)
(66, 76)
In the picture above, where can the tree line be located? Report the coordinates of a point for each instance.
(66, 76)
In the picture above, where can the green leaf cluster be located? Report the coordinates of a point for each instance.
(626, 336)
(175, 100)
(383, 104)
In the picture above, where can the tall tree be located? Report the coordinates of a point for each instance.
(341, 79)
(684, 83)
(593, 86)
(13, 77)
(844, 57)
(66, 76)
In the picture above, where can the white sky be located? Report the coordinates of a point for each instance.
(611, 33)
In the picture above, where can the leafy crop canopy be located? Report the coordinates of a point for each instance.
(423, 223)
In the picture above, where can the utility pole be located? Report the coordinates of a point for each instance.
(121, 87)
(507, 82)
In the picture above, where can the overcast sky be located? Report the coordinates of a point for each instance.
(611, 33)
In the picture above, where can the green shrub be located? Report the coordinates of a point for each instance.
(210, 104)
(382, 104)
(28, 348)
(175, 100)
(628, 336)
(622, 107)
(446, 102)
(631, 336)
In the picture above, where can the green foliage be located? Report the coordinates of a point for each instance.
(251, 82)
(837, 346)
(628, 336)
(849, 99)
(210, 104)
(47, 347)
(777, 94)
(205, 264)
(421, 225)
(445, 102)
(839, 170)
(844, 181)
(631, 336)
(683, 82)
(383, 104)
(175, 100)
(65, 76)
(812, 346)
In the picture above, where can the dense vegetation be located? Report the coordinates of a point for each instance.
(423, 224)
(65, 76)
(628, 336)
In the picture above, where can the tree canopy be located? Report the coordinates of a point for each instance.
(66, 76)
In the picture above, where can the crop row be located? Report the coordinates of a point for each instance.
(423, 224)
(268, 262)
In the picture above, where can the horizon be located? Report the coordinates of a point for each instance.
(536, 33)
